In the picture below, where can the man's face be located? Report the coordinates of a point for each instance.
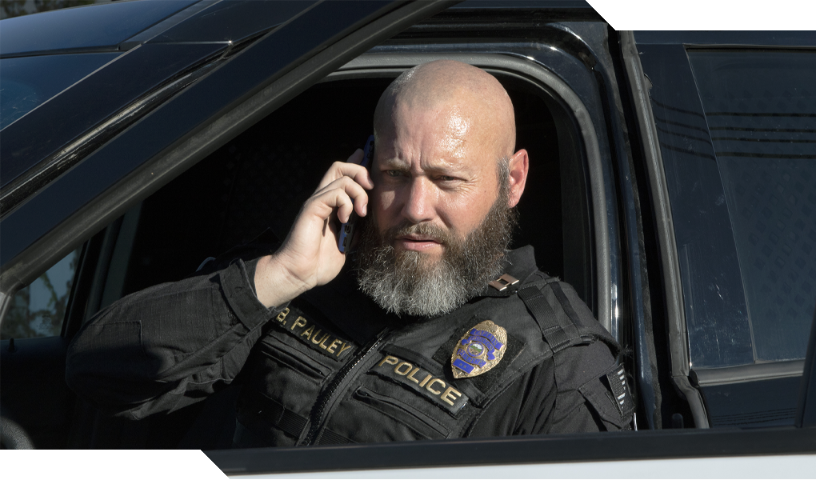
(440, 219)
(435, 167)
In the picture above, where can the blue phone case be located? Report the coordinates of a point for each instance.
(347, 229)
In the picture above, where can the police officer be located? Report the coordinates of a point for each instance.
(428, 328)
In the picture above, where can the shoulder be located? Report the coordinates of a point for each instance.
(548, 318)
(550, 308)
(587, 369)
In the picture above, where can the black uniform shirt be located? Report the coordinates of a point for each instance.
(333, 367)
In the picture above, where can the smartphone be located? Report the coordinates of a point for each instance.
(347, 229)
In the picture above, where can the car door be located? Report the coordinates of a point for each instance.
(79, 49)
(767, 427)
(106, 174)
(734, 121)
(771, 451)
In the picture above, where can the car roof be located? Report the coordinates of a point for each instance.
(120, 27)
(97, 27)
(198, 29)
(106, 26)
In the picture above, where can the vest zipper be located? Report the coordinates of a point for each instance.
(333, 390)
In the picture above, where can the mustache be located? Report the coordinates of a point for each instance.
(435, 232)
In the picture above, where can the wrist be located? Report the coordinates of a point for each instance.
(275, 284)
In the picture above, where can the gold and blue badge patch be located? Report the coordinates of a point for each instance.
(481, 349)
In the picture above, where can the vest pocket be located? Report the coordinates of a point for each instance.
(402, 413)
(610, 399)
(295, 360)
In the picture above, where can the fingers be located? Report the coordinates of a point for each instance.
(352, 189)
(344, 194)
(340, 200)
(351, 169)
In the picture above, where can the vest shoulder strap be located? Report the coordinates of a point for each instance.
(560, 325)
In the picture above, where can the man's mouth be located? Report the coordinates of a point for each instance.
(417, 242)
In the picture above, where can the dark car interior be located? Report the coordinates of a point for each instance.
(255, 185)
(260, 179)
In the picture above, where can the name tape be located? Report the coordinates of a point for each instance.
(309, 333)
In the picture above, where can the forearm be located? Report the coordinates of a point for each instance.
(167, 346)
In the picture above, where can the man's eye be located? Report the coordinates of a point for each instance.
(393, 173)
(446, 178)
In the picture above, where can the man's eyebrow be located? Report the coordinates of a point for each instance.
(395, 162)
(439, 167)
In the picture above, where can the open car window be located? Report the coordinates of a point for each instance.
(260, 180)
(251, 189)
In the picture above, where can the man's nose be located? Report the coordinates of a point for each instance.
(419, 201)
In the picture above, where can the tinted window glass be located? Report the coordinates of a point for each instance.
(37, 310)
(29, 81)
(86, 27)
(761, 113)
(714, 308)
(18, 9)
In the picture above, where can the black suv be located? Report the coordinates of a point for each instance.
(672, 183)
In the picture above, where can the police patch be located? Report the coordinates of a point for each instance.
(481, 349)
(422, 382)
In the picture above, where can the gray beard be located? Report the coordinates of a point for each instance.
(410, 283)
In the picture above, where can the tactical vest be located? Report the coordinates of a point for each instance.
(309, 384)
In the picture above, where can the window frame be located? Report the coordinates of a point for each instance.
(664, 228)
(518, 451)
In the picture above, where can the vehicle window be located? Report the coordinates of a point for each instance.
(760, 108)
(15, 9)
(742, 204)
(37, 310)
(250, 190)
(233, 196)
(24, 86)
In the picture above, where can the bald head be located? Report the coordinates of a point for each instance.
(463, 98)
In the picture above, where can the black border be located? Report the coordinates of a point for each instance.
(642, 445)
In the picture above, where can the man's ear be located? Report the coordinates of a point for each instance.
(519, 163)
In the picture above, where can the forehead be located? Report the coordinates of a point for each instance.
(452, 121)
(441, 133)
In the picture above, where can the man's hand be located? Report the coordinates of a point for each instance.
(309, 256)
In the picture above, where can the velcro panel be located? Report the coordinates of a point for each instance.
(270, 412)
(620, 391)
